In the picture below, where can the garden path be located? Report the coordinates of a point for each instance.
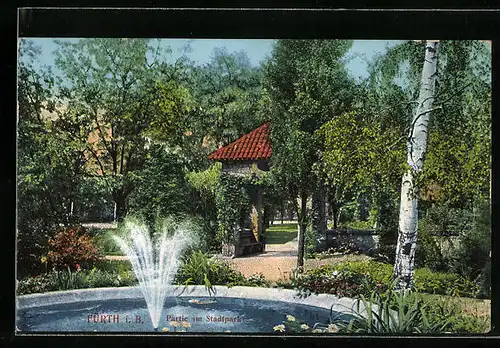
(275, 263)
(278, 261)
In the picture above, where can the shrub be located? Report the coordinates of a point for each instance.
(394, 313)
(36, 284)
(473, 253)
(71, 247)
(114, 266)
(105, 242)
(97, 278)
(341, 281)
(385, 253)
(428, 252)
(355, 278)
(57, 280)
(444, 283)
(485, 281)
(256, 279)
(200, 269)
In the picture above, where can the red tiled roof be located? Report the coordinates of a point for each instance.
(251, 146)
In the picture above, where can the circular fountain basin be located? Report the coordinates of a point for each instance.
(190, 309)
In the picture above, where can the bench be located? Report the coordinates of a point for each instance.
(248, 244)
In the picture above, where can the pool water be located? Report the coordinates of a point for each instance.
(180, 314)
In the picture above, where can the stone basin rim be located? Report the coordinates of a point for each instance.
(324, 301)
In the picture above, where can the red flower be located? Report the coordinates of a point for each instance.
(78, 267)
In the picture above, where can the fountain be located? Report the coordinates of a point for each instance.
(154, 263)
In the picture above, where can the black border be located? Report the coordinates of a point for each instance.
(234, 23)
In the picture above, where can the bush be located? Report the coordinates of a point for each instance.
(114, 266)
(36, 284)
(256, 279)
(444, 283)
(200, 269)
(58, 280)
(485, 281)
(473, 253)
(352, 279)
(341, 283)
(105, 242)
(71, 247)
(428, 253)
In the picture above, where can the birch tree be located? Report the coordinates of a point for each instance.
(416, 148)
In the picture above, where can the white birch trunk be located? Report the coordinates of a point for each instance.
(416, 147)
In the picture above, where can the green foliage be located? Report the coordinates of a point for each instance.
(95, 202)
(173, 104)
(70, 280)
(400, 312)
(105, 242)
(114, 266)
(473, 254)
(160, 186)
(458, 159)
(257, 280)
(233, 204)
(227, 91)
(200, 269)
(395, 312)
(48, 164)
(71, 247)
(116, 95)
(428, 251)
(410, 315)
(355, 278)
(355, 150)
(205, 184)
(444, 283)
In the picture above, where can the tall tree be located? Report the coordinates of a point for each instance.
(227, 89)
(306, 84)
(49, 165)
(116, 97)
(416, 148)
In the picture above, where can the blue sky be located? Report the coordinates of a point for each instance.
(257, 50)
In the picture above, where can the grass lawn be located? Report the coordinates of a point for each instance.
(470, 306)
(281, 234)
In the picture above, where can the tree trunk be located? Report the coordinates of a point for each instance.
(319, 218)
(120, 207)
(335, 215)
(302, 230)
(416, 144)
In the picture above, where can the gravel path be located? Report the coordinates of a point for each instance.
(277, 262)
